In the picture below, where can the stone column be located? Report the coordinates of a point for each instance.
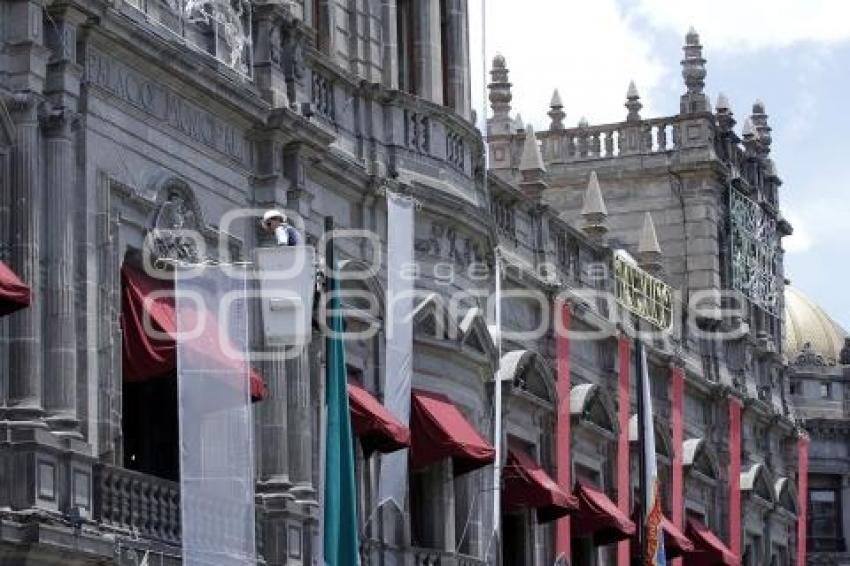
(274, 435)
(25, 400)
(300, 419)
(60, 372)
(390, 25)
(457, 58)
(427, 50)
(59, 121)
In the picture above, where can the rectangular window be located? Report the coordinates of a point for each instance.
(427, 512)
(826, 390)
(795, 388)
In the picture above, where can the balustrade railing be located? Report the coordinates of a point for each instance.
(137, 504)
(611, 140)
(432, 557)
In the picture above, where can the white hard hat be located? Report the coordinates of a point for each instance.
(273, 214)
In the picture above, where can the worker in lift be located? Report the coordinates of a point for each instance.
(276, 223)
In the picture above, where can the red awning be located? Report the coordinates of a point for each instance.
(148, 357)
(675, 542)
(708, 549)
(599, 517)
(14, 293)
(526, 484)
(439, 430)
(376, 427)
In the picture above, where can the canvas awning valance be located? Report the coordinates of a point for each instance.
(14, 293)
(526, 484)
(147, 304)
(376, 427)
(599, 517)
(439, 430)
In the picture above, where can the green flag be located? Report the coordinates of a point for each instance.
(340, 499)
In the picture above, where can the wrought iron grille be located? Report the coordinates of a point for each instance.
(755, 252)
(219, 28)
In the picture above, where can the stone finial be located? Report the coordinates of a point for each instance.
(582, 122)
(748, 130)
(633, 104)
(844, 354)
(556, 112)
(531, 168)
(531, 159)
(693, 72)
(593, 211)
(519, 125)
(759, 118)
(725, 116)
(649, 250)
(500, 97)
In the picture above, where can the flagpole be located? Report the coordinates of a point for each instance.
(497, 416)
(641, 409)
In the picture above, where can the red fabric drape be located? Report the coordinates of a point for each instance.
(708, 549)
(735, 476)
(438, 430)
(677, 386)
(623, 416)
(147, 356)
(376, 427)
(599, 517)
(14, 293)
(802, 497)
(526, 484)
(562, 436)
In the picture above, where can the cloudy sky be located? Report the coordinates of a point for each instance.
(792, 54)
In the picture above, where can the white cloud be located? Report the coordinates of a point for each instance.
(752, 24)
(588, 50)
(817, 222)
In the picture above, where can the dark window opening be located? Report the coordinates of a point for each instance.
(427, 516)
(446, 53)
(404, 40)
(514, 538)
(149, 408)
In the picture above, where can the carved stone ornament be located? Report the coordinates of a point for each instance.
(808, 357)
(176, 230)
(231, 19)
(447, 242)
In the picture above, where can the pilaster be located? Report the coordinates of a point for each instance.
(60, 340)
(300, 422)
(25, 405)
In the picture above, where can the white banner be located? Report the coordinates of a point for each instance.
(216, 428)
(392, 483)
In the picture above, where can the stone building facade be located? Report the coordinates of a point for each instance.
(125, 124)
(819, 361)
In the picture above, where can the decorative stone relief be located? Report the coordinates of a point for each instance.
(808, 357)
(447, 242)
(171, 236)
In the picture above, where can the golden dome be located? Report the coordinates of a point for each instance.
(806, 322)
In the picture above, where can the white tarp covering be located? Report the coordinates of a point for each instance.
(392, 484)
(216, 440)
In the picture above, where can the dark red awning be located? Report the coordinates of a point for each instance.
(599, 517)
(526, 484)
(149, 357)
(439, 430)
(708, 549)
(14, 293)
(376, 427)
(675, 542)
